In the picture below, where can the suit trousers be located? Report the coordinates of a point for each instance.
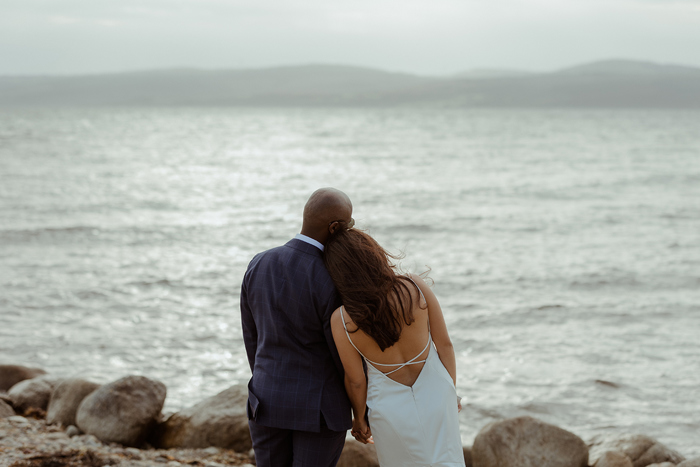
(277, 447)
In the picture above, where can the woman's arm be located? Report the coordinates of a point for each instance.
(438, 329)
(355, 380)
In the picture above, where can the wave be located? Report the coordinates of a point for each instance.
(30, 235)
(680, 215)
(597, 281)
(176, 284)
(413, 228)
(124, 234)
(156, 283)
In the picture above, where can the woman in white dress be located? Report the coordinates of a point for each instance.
(406, 403)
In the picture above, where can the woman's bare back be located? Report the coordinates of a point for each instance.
(411, 344)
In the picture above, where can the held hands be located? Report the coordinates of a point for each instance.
(361, 431)
(459, 404)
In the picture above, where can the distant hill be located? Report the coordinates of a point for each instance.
(606, 84)
(294, 85)
(485, 73)
(627, 68)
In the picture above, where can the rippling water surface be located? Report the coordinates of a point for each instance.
(564, 246)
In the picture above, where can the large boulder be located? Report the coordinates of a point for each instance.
(66, 399)
(356, 454)
(641, 449)
(690, 463)
(13, 374)
(6, 410)
(32, 393)
(467, 456)
(527, 442)
(124, 411)
(5, 398)
(613, 459)
(219, 421)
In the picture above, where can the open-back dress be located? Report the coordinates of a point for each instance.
(414, 425)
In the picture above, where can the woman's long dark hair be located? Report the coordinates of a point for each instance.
(376, 298)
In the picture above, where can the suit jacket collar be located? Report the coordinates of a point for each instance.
(304, 247)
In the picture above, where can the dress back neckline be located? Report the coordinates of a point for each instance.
(413, 361)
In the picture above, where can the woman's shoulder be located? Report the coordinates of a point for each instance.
(417, 280)
(336, 316)
(341, 318)
(410, 276)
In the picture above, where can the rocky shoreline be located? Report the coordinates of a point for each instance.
(31, 442)
(54, 422)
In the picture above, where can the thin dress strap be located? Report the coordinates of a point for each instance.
(413, 361)
(342, 318)
(420, 291)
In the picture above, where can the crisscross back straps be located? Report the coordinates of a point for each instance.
(413, 361)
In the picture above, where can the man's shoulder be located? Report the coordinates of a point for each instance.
(297, 264)
(272, 252)
(292, 247)
(265, 257)
(273, 255)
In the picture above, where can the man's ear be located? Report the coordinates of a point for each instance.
(333, 228)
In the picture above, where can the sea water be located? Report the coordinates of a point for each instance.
(564, 246)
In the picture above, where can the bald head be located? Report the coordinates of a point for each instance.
(326, 211)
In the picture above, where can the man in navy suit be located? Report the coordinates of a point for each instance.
(298, 409)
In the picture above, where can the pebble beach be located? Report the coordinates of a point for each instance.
(30, 442)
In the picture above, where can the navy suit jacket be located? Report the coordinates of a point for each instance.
(287, 299)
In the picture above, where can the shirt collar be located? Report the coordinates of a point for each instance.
(309, 240)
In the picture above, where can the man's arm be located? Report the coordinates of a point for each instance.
(250, 331)
(331, 306)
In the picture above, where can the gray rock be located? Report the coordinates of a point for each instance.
(356, 454)
(124, 411)
(13, 374)
(66, 399)
(18, 420)
(527, 442)
(663, 464)
(690, 463)
(90, 440)
(658, 454)
(6, 410)
(33, 393)
(72, 430)
(641, 449)
(57, 435)
(613, 459)
(219, 421)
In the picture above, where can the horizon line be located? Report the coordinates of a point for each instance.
(347, 65)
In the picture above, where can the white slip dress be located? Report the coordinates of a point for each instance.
(414, 425)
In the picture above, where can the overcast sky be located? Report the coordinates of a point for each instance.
(418, 36)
